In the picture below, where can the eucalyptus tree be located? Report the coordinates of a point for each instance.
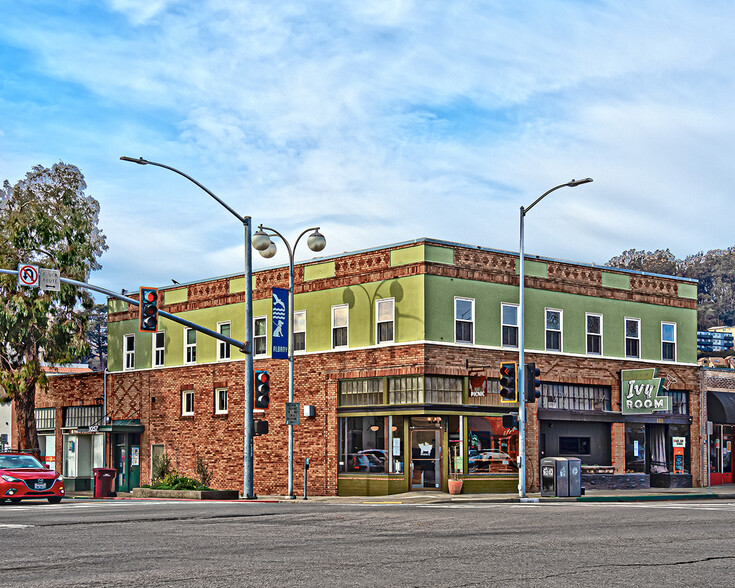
(46, 219)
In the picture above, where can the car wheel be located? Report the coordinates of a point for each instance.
(54, 499)
(15, 500)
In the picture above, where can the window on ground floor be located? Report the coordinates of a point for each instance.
(635, 448)
(371, 444)
(491, 448)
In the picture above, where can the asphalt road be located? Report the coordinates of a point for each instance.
(156, 543)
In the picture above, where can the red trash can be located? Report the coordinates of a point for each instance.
(104, 478)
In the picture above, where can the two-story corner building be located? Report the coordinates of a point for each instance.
(398, 350)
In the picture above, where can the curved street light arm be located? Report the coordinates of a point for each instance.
(141, 161)
(570, 184)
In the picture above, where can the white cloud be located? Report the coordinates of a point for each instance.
(386, 121)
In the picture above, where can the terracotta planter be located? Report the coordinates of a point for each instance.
(455, 486)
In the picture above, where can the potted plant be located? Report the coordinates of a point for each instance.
(454, 482)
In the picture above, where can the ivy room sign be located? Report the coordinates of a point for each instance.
(641, 392)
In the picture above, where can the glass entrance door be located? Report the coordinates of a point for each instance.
(721, 445)
(426, 458)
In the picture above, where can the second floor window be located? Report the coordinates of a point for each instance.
(129, 351)
(594, 334)
(384, 321)
(223, 349)
(632, 337)
(509, 317)
(260, 336)
(668, 341)
(159, 348)
(340, 318)
(190, 337)
(464, 320)
(553, 330)
(299, 330)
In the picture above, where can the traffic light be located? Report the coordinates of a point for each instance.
(508, 390)
(260, 427)
(510, 421)
(148, 310)
(532, 383)
(262, 388)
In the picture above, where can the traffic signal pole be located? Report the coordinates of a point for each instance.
(521, 375)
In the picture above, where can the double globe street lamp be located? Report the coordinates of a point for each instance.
(267, 248)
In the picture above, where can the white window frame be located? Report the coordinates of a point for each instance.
(223, 349)
(157, 349)
(185, 394)
(346, 326)
(456, 320)
(625, 337)
(299, 313)
(260, 337)
(392, 320)
(588, 333)
(672, 324)
(560, 331)
(128, 354)
(504, 324)
(190, 350)
(218, 408)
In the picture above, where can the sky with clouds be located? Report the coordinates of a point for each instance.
(381, 121)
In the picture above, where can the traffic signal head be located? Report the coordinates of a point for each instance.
(532, 383)
(261, 389)
(508, 390)
(510, 421)
(260, 427)
(148, 310)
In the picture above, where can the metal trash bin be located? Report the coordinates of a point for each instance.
(575, 476)
(104, 478)
(554, 476)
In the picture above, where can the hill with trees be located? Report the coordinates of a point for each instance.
(715, 271)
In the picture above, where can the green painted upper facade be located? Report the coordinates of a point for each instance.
(434, 292)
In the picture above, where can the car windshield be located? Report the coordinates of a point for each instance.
(14, 462)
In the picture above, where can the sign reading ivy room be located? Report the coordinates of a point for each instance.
(640, 392)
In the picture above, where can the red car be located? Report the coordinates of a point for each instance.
(22, 476)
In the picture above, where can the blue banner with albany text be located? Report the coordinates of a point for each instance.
(280, 323)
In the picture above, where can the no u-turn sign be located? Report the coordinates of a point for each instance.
(27, 275)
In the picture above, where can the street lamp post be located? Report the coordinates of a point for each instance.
(521, 372)
(262, 242)
(248, 387)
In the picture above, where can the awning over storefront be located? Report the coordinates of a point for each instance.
(123, 426)
(721, 407)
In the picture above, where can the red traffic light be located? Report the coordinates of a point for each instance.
(148, 310)
(508, 391)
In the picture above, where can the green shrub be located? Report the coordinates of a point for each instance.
(203, 472)
(176, 481)
(161, 467)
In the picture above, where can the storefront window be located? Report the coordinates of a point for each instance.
(635, 448)
(490, 447)
(680, 432)
(371, 445)
(720, 449)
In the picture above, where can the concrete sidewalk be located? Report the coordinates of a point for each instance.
(722, 492)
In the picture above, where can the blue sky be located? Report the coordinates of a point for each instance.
(380, 121)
